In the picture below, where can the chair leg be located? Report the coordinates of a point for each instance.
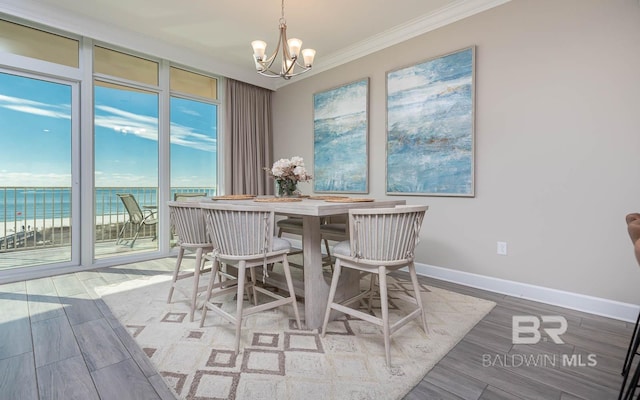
(247, 289)
(416, 290)
(292, 293)
(384, 305)
(270, 266)
(241, 280)
(214, 271)
(135, 236)
(628, 361)
(632, 351)
(633, 385)
(633, 343)
(121, 233)
(326, 246)
(332, 293)
(196, 283)
(252, 272)
(372, 286)
(175, 273)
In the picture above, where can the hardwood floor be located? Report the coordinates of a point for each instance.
(487, 365)
(58, 340)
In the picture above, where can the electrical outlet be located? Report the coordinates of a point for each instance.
(502, 248)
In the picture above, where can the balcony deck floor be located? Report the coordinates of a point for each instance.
(27, 257)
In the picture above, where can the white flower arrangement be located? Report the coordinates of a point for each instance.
(287, 174)
(290, 169)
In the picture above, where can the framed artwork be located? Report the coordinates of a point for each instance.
(430, 127)
(340, 136)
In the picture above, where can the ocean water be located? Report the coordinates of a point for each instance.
(29, 204)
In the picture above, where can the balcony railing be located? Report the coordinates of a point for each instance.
(35, 217)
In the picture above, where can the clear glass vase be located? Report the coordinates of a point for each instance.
(287, 188)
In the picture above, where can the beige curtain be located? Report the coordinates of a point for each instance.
(248, 134)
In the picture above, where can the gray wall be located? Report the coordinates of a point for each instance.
(557, 143)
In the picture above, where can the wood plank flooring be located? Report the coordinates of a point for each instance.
(487, 365)
(58, 340)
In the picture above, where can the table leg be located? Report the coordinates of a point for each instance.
(316, 287)
(316, 291)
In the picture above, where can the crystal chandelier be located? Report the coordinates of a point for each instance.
(290, 64)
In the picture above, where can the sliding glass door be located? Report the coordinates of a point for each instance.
(37, 210)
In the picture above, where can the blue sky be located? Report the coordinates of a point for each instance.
(35, 127)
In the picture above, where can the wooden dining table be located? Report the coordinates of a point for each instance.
(316, 285)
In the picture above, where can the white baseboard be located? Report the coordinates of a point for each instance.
(575, 301)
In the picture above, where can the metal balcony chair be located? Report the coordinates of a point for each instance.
(243, 237)
(381, 240)
(138, 219)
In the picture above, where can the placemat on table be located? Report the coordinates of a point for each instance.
(349, 200)
(235, 197)
(327, 197)
(277, 199)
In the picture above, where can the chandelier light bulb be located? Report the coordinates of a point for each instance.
(294, 47)
(308, 55)
(259, 48)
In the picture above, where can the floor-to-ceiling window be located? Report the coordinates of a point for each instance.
(194, 132)
(149, 130)
(38, 145)
(126, 106)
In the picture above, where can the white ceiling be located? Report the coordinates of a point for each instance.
(221, 30)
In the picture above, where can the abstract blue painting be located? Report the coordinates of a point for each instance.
(430, 127)
(340, 126)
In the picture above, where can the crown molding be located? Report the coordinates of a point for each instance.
(416, 27)
(33, 11)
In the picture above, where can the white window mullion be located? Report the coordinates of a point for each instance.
(86, 192)
(164, 167)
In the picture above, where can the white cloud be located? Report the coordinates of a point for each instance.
(10, 179)
(185, 136)
(147, 127)
(189, 112)
(35, 107)
(106, 179)
(38, 111)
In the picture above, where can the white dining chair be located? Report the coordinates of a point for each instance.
(243, 237)
(187, 221)
(381, 240)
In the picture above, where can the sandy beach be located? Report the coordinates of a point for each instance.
(9, 227)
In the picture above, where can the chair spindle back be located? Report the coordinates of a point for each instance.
(385, 234)
(239, 230)
(189, 224)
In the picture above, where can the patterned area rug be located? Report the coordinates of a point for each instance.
(278, 361)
